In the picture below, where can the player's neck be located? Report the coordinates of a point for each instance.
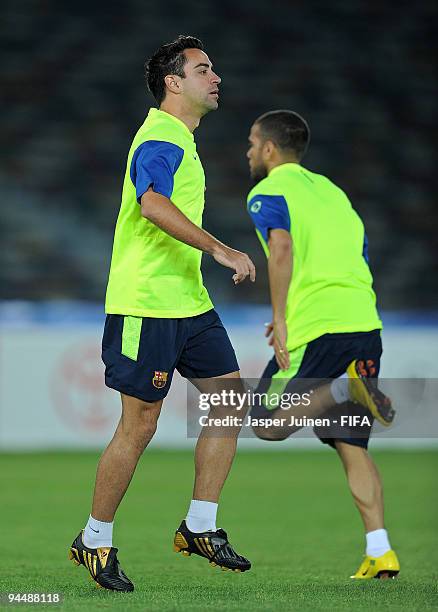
(187, 116)
(279, 161)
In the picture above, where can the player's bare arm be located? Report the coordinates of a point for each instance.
(280, 274)
(164, 214)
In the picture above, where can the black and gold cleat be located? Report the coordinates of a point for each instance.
(103, 565)
(213, 545)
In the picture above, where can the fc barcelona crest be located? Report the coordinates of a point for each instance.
(160, 379)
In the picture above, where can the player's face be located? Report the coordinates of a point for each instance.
(200, 87)
(257, 167)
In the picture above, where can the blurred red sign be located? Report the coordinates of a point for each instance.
(78, 390)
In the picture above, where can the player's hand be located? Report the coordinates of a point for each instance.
(238, 261)
(269, 328)
(277, 333)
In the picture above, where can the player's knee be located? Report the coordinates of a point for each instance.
(269, 434)
(142, 435)
(140, 426)
(147, 426)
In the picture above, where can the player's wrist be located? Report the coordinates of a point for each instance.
(217, 248)
(278, 318)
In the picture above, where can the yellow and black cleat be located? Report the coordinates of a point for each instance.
(363, 390)
(386, 566)
(103, 565)
(213, 545)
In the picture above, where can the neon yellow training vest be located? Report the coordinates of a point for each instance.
(331, 287)
(152, 274)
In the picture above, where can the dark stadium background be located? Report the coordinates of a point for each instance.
(362, 73)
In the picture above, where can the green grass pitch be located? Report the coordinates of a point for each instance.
(289, 511)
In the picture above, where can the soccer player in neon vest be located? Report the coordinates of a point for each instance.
(325, 321)
(159, 314)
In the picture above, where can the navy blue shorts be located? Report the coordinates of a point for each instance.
(141, 354)
(324, 358)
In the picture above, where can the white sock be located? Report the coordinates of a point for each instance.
(339, 389)
(377, 543)
(201, 516)
(98, 533)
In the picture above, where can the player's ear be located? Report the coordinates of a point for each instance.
(268, 149)
(173, 83)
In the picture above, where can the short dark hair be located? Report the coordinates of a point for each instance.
(287, 129)
(168, 59)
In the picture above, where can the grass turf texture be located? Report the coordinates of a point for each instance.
(289, 512)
